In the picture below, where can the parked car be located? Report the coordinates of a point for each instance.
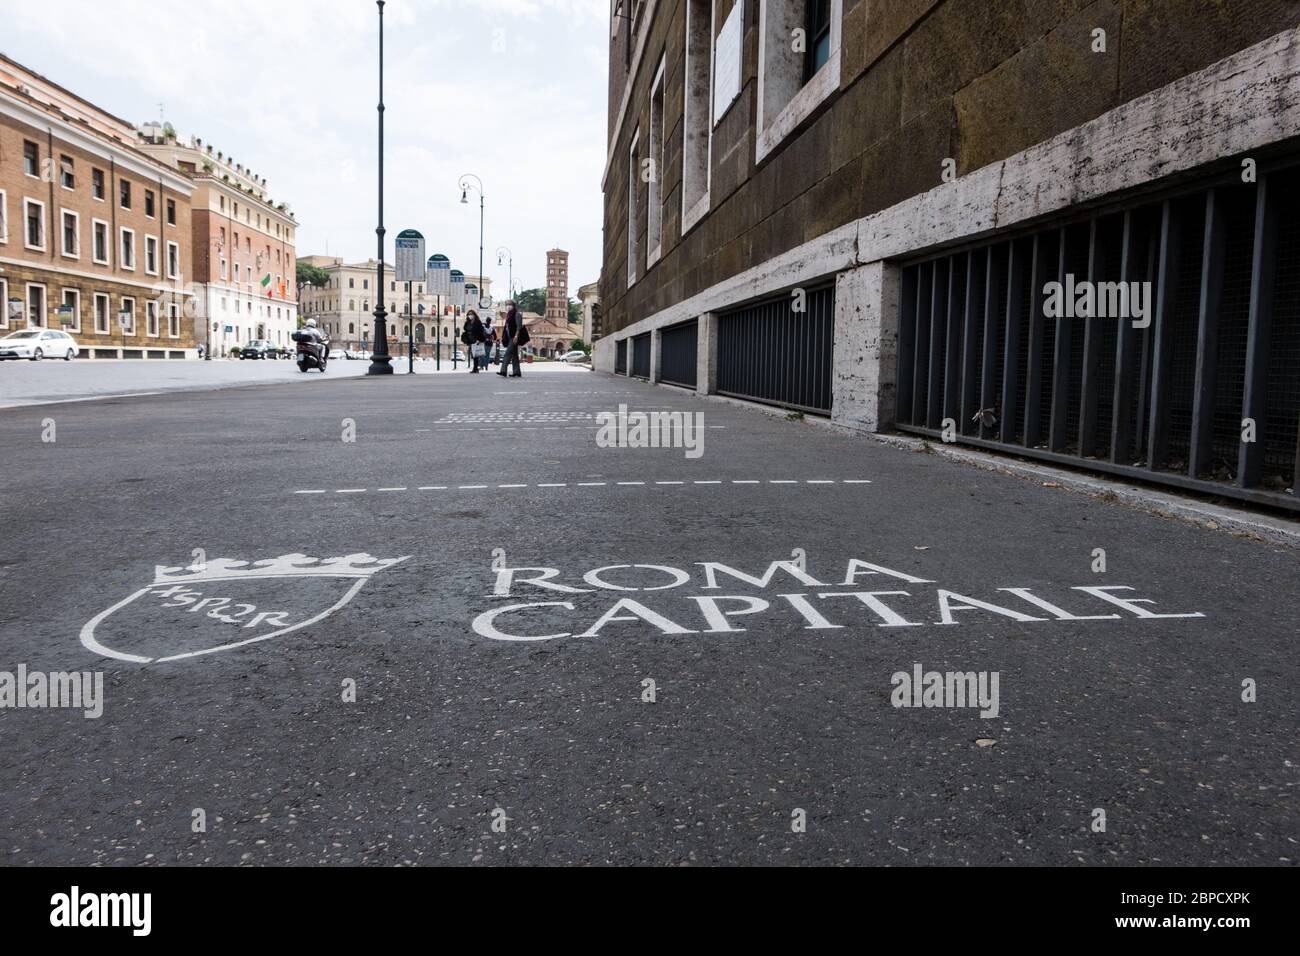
(258, 349)
(577, 355)
(36, 344)
(344, 354)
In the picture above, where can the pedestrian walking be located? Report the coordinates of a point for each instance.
(515, 335)
(474, 336)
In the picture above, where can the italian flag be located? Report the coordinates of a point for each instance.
(266, 282)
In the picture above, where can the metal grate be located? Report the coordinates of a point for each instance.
(678, 345)
(769, 353)
(641, 355)
(1167, 402)
(620, 357)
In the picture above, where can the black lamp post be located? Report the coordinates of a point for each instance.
(465, 186)
(380, 361)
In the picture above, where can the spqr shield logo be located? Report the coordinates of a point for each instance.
(225, 604)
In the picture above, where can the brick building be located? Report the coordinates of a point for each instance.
(856, 208)
(89, 221)
(557, 287)
(243, 241)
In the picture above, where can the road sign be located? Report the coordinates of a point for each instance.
(457, 291)
(438, 275)
(410, 256)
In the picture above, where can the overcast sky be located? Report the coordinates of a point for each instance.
(512, 90)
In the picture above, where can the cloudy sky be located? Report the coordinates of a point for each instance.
(512, 90)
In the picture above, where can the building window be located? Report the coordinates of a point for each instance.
(67, 173)
(654, 203)
(97, 184)
(151, 255)
(173, 260)
(223, 270)
(4, 217)
(126, 315)
(171, 212)
(99, 242)
(72, 299)
(126, 254)
(151, 319)
(4, 304)
(35, 305)
(34, 215)
(697, 112)
(173, 320)
(793, 83)
(124, 194)
(633, 230)
(71, 234)
(102, 319)
(148, 203)
(31, 159)
(817, 14)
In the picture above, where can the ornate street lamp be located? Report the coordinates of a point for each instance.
(380, 361)
(504, 251)
(464, 185)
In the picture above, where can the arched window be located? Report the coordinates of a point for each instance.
(351, 329)
(419, 331)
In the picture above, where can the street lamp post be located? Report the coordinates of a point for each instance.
(510, 259)
(465, 186)
(380, 361)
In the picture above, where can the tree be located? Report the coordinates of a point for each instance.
(312, 275)
(575, 312)
(531, 300)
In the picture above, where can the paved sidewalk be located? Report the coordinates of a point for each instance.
(38, 383)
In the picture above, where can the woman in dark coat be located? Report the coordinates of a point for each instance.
(474, 334)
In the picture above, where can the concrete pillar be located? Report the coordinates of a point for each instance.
(706, 355)
(864, 382)
(655, 343)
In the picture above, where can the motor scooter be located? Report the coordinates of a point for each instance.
(310, 352)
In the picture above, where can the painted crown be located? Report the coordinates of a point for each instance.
(360, 565)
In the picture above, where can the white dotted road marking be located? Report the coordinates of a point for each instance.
(597, 484)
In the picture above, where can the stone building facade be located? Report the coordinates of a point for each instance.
(89, 221)
(851, 207)
(344, 307)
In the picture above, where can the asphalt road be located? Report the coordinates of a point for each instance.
(775, 742)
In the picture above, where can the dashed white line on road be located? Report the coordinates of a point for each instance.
(597, 484)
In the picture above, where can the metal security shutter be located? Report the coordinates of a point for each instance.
(1167, 402)
(641, 355)
(769, 353)
(678, 346)
(620, 356)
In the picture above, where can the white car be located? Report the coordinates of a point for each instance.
(575, 356)
(36, 344)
